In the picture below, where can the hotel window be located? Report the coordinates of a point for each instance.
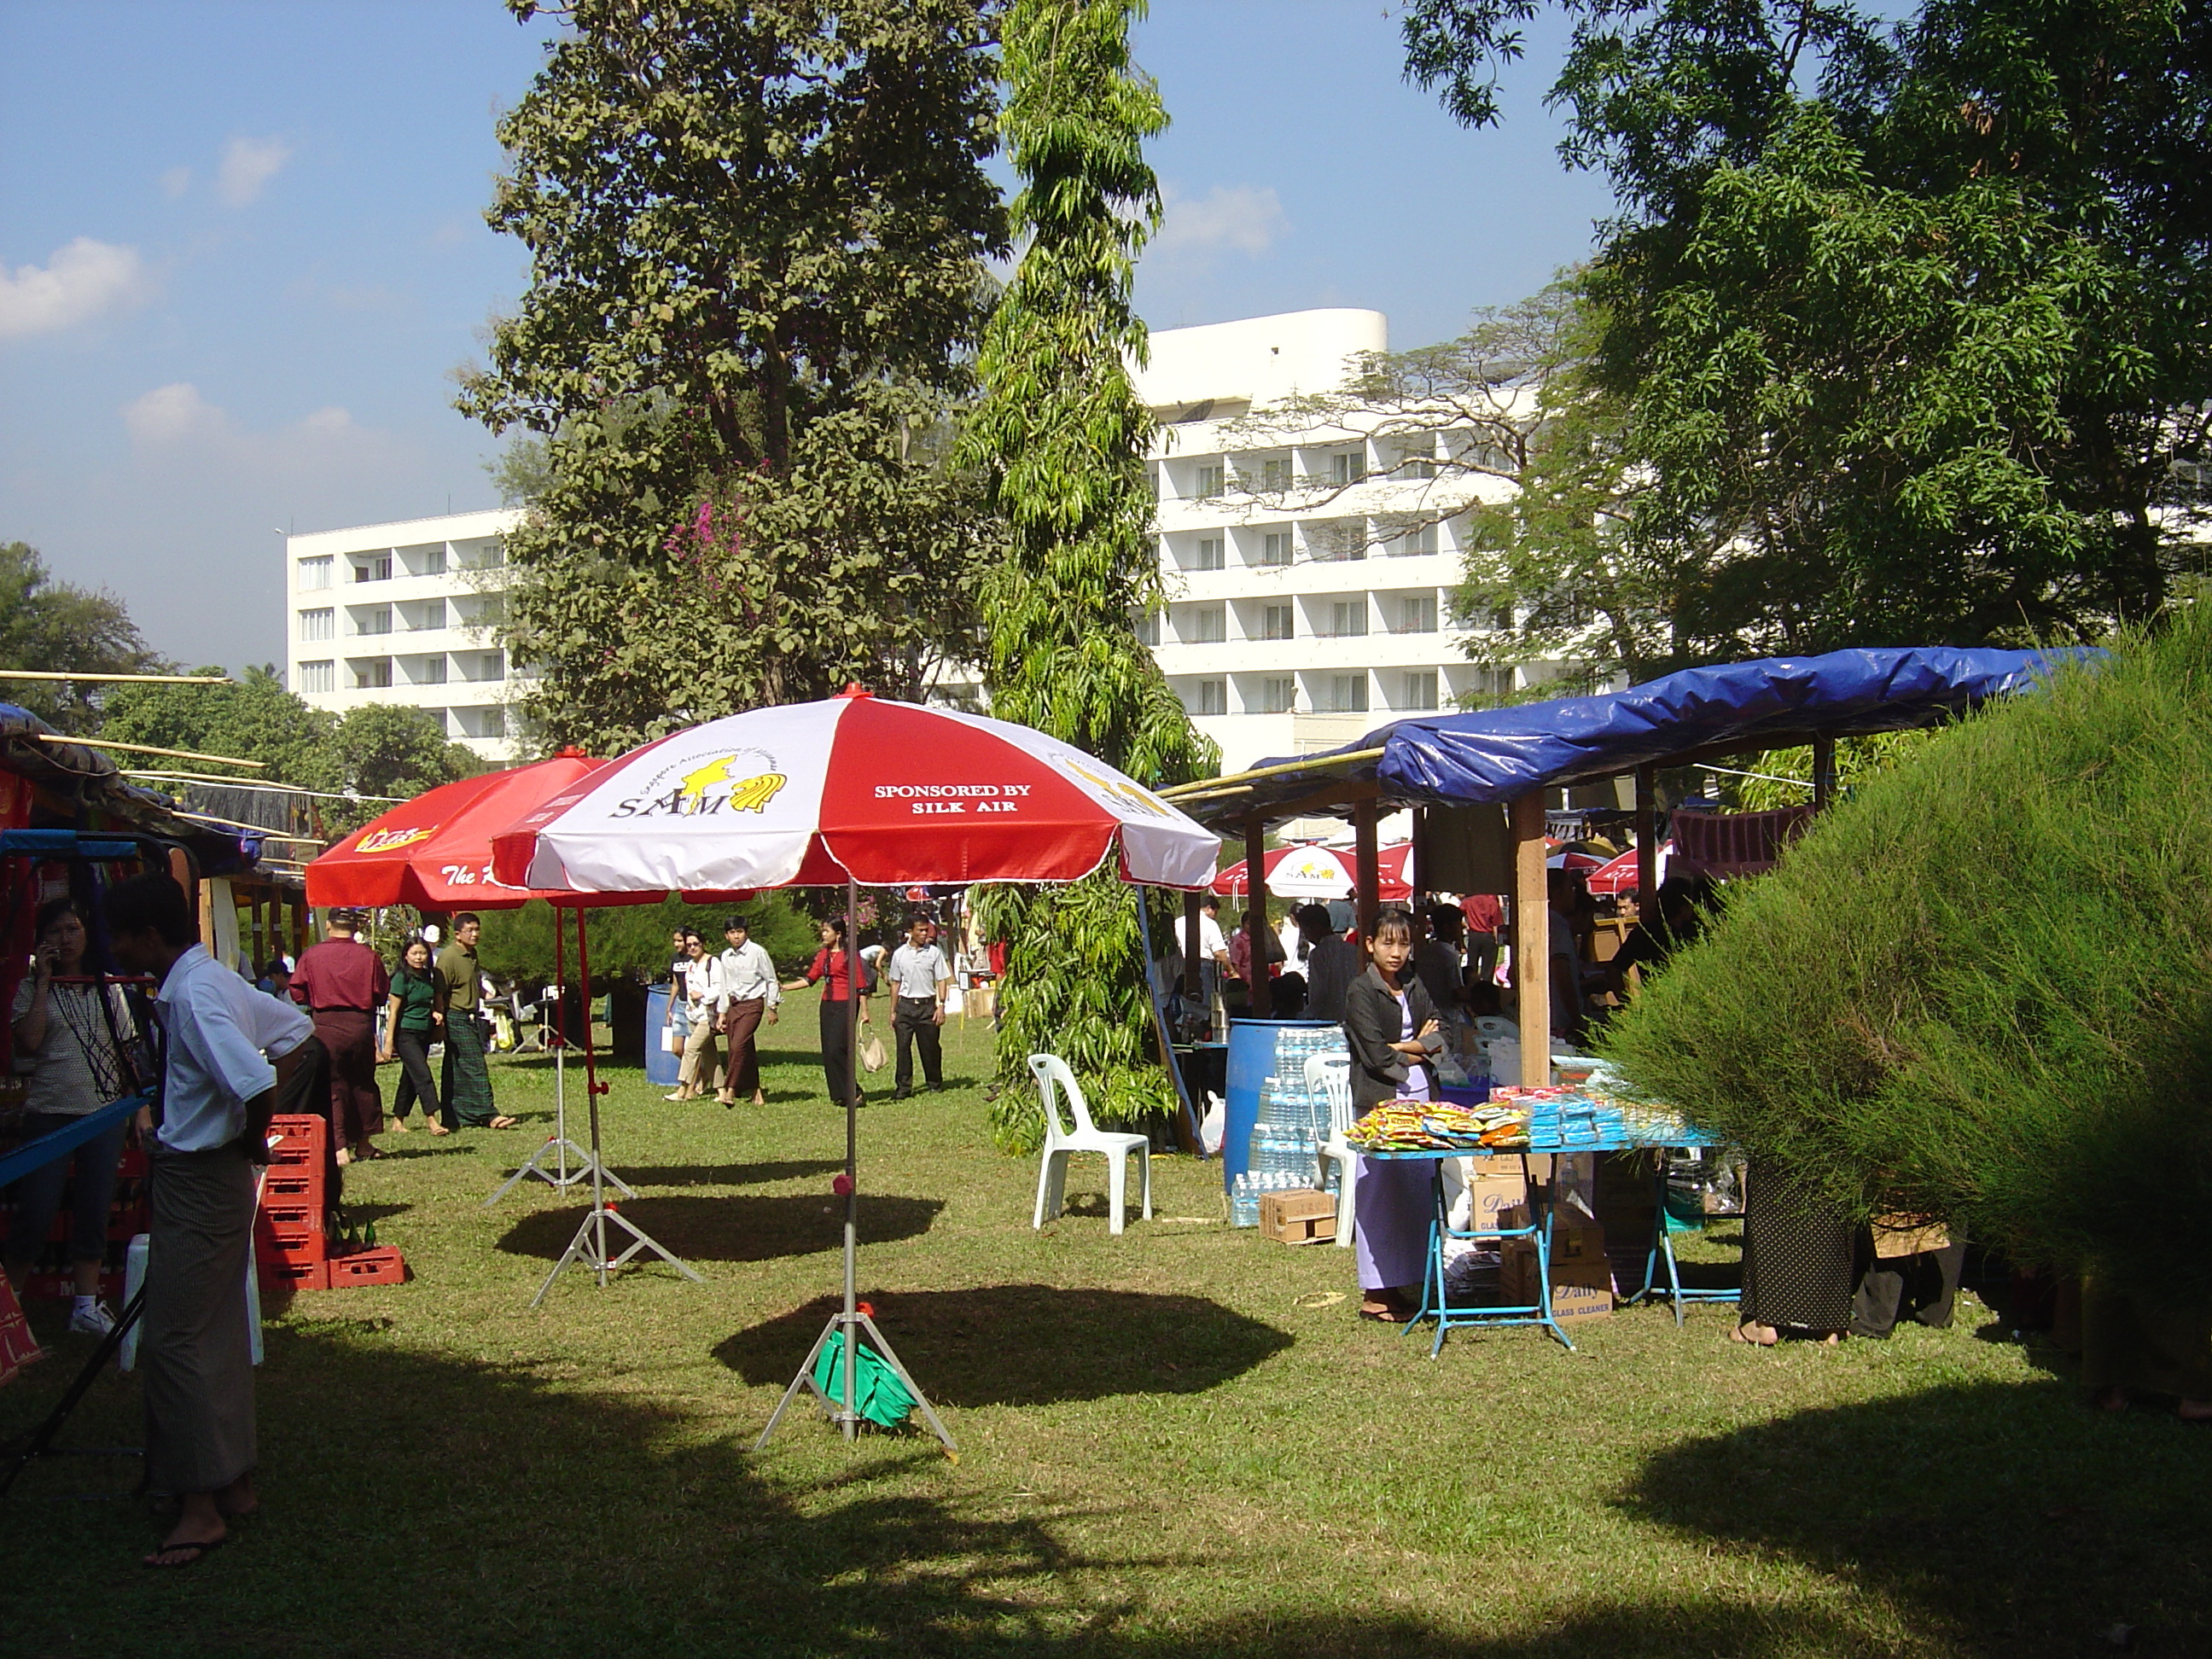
(1209, 480)
(1278, 622)
(1344, 469)
(1208, 624)
(1347, 694)
(315, 573)
(377, 569)
(1278, 695)
(1419, 690)
(1209, 553)
(1275, 548)
(1417, 614)
(1348, 619)
(1418, 463)
(1275, 474)
(1415, 543)
(317, 676)
(317, 624)
(1209, 697)
(434, 561)
(432, 672)
(1345, 540)
(376, 619)
(372, 674)
(1147, 625)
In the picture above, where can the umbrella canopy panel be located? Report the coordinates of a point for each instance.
(1322, 872)
(857, 789)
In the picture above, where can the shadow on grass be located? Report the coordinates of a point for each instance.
(2008, 1516)
(727, 1174)
(1031, 1345)
(746, 1227)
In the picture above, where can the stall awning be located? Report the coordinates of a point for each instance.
(1500, 754)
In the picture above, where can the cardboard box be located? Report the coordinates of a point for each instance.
(1582, 1276)
(1303, 1215)
(1494, 1186)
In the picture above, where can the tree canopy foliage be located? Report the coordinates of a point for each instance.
(757, 235)
(50, 625)
(1979, 979)
(1902, 329)
(1062, 437)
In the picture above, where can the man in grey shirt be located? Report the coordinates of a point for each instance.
(750, 995)
(918, 975)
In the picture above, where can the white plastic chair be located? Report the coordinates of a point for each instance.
(1060, 1143)
(1330, 1077)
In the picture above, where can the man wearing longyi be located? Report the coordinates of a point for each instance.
(342, 982)
(218, 1092)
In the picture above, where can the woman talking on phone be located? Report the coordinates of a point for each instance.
(76, 1067)
(1389, 1022)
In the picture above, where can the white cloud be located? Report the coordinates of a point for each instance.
(175, 182)
(80, 281)
(333, 420)
(1229, 218)
(247, 165)
(168, 414)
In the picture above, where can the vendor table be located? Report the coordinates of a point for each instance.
(1436, 1305)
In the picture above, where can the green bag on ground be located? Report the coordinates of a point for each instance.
(878, 1394)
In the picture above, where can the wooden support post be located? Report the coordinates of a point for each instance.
(1824, 773)
(1260, 995)
(1647, 840)
(1191, 976)
(1367, 869)
(1531, 941)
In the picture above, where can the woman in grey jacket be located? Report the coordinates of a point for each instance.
(1389, 1023)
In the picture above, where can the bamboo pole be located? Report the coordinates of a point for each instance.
(149, 749)
(115, 679)
(1531, 941)
(1202, 785)
(1259, 995)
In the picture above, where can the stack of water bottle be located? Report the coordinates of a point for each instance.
(1291, 1124)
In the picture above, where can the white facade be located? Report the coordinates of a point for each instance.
(405, 614)
(1310, 562)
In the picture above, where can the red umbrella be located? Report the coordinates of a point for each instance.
(1618, 876)
(435, 853)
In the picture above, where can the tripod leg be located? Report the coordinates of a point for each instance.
(25, 1449)
(641, 1240)
(920, 1400)
(805, 1379)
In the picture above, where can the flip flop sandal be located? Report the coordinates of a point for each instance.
(200, 1553)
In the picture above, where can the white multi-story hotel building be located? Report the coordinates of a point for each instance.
(1310, 554)
(404, 613)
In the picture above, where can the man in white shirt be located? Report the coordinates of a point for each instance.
(750, 994)
(919, 975)
(218, 1090)
(1212, 955)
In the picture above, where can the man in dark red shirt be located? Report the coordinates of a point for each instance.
(1485, 920)
(342, 982)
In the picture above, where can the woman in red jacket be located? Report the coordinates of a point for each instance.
(832, 969)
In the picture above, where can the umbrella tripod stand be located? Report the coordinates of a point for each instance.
(591, 1246)
(853, 1321)
(563, 1151)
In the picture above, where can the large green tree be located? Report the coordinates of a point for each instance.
(1063, 436)
(757, 236)
(50, 625)
(1906, 326)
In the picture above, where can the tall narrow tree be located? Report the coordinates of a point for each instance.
(1063, 436)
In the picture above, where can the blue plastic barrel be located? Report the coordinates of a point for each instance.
(1251, 1062)
(661, 1068)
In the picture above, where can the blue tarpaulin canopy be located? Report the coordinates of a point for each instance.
(1498, 753)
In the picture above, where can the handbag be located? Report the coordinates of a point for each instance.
(672, 1040)
(873, 1057)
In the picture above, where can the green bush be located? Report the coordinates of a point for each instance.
(1977, 989)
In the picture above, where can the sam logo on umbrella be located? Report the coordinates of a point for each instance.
(741, 781)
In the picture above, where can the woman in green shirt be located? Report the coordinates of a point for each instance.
(412, 1021)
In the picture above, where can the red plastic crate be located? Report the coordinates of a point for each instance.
(278, 1277)
(298, 1143)
(305, 1249)
(381, 1264)
(291, 1187)
(290, 1221)
(56, 1285)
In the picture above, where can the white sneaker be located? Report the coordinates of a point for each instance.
(92, 1320)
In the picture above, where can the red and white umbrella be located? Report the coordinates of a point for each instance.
(1618, 876)
(855, 789)
(1323, 872)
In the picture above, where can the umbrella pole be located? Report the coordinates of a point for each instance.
(560, 1177)
(850, 1321)
(589, 1246)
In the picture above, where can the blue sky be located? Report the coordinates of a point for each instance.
(241, 250)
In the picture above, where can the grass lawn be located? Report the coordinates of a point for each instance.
(1179, 1441)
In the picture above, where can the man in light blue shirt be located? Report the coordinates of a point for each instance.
(218, 1090)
